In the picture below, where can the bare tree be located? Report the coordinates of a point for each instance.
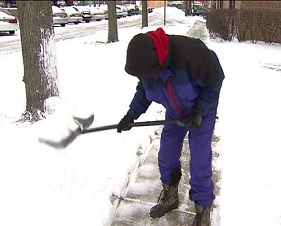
(112, 22)
(144, 13)
(38, 52)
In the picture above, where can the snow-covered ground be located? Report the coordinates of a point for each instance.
(45, 186)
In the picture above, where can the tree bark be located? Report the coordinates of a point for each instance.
(38, 52)
(144, 14)
(112, 22)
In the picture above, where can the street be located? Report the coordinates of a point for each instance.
(10, 43)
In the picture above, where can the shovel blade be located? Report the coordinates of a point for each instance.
(82, 123)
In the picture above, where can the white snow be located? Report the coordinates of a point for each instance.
(41, 185)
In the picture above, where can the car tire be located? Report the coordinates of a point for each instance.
(63, 25)
(12, 32)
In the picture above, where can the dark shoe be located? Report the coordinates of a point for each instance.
(202, 217)
(167, 201)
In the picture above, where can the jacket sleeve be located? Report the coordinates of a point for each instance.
(208, 98)
(139, 103)
(209, 94)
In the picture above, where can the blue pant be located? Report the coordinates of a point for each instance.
(200, 143)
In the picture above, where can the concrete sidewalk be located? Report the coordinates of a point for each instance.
(199, 31)
(144, 189)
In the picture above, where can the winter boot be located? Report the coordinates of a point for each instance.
(202, 217)
(167, 201)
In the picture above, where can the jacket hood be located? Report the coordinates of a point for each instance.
(146, 54)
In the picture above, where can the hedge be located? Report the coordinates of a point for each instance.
(245, 24)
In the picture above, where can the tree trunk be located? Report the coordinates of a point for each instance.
(144, 14)
(188, 7)
(38, 52)
(112, 22)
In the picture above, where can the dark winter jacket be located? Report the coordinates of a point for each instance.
(194, 70)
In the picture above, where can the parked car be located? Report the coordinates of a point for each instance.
(73, 15)
(121, 11)
(86, 13)
(132, 9)
(8, 23)
(150, 9)
(98, 13)
(59, 16)
(198, 10)
(103, 7)
(5, 11)
(178, 4)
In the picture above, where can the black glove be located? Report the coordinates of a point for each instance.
(123, 125)
(192, 120)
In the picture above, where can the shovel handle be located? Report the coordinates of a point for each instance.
(83, 123)
(135, 124)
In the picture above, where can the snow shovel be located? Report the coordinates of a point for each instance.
(84, 124)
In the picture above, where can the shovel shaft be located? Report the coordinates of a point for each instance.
(84, 123)
(135, 124)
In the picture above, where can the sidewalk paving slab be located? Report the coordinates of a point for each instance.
(143, 193)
